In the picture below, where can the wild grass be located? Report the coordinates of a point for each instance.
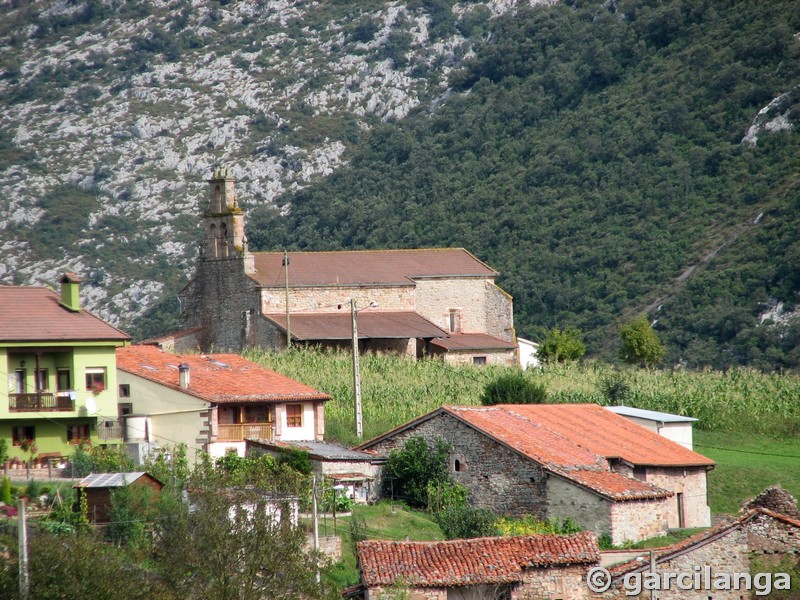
(396, 390)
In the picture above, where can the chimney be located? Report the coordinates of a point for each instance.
(183, 369)
(71, 292)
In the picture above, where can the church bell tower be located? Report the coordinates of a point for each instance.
(223, 222)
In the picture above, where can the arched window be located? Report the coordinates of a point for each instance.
(223, 234)
(212, 235)
(217, 208)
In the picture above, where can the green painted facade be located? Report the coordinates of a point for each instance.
(76, 397)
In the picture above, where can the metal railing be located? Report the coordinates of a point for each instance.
(41, 402)
(242, 431)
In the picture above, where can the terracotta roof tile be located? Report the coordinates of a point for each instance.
(602, 432)
(218, 378)
(472, 561)
(615, 485)
(367, 267)
(371, 324)
(35, 314)
(473, 341)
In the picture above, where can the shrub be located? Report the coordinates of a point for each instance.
(514, 388)
(466, 522)
(7, 491)
(561, 345)
(299, 460)
(411, 469)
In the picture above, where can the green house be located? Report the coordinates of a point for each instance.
(60, 365)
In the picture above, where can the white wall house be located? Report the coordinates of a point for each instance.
(212, 403)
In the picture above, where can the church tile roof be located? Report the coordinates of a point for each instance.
(367, 267)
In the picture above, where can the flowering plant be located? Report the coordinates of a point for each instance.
(96, 388)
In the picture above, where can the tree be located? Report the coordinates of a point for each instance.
(238, 543)
(411, 469)
(513, 388)
(466, 522)
(640, 343)
(561, 345)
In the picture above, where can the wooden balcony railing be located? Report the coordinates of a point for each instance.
(241, 431)
(41, 402)
(109, 430)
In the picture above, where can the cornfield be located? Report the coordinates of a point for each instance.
(396, 390)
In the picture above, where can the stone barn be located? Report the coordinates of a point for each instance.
(569, 460)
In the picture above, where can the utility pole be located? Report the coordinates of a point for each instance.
(288, 316)
(22, 527)
(315, 519)
(356, 370)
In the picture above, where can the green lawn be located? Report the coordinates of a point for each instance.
(746, 464)
(385, 521)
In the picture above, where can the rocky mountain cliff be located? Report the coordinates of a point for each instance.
(113, 113)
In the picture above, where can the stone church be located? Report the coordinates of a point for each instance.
(439, 302)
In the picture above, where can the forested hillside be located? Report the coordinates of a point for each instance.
(608, 159)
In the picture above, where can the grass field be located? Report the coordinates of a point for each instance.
(746, 464)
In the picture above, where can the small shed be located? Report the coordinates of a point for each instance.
(98, 487)
(673, 427)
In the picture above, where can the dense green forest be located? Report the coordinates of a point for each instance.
(593, 153)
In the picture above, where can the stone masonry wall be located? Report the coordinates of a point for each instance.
(493, 357)
(691, 484)
(223, 301)
(328, 299)
(378, 593)
(496, 477)
(637, 520)
(588, 510)
(769, 536)
(727, 554)
(482, 306)
(554, 582)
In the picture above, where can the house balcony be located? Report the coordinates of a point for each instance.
(110, 430)
(242, 431)
(40, 402)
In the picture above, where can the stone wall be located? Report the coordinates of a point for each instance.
(567, 582)
(329, 299)
(482, 306)
(691, 484)
(379, 593)
(725, 554)
(637, 520)
(588, 510)
(769, 536)
(493, 357)
(496, 477)
(222, 300)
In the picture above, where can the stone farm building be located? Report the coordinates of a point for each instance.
(529, 567)
(569, 460)
(435, 302)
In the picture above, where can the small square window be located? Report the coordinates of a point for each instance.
(22, 435)
(294, 415)
(478, 360)
(95, 379)
(77, 434)
(124, 390)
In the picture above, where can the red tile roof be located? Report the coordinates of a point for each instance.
(367, 267)
(472, 341)
(574, 441)
(35, 314)
(372, 324)
(217, 378)
(470, 562)
(608, 434)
